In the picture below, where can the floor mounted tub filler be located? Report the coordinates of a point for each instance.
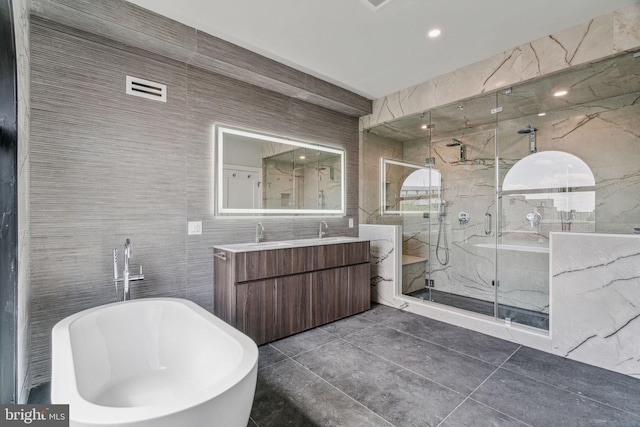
(152, 362)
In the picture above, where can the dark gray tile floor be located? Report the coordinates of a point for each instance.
(386, 367)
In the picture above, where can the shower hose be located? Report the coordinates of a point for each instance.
(442, 244)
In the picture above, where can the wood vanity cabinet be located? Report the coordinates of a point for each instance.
(272, 293)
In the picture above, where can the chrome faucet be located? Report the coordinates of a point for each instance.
(320, 232)
(128, 251)
(259, 230)
(126, 278)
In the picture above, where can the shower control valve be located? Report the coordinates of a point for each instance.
(534, 218)
(464, 218)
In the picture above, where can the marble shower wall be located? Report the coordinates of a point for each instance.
(598, 38)
(278, 178)
(322, 184)
(595, 318)
(21, 22)
(604, 134)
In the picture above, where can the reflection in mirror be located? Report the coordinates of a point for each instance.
(409, 188)
(265, 174)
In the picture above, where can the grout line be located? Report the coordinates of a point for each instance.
(277, 361)
(576, 392)
(291, 358)
(335, 338)
(354, 332)
(402, 367)
(481, 384)
(449, 348)
(500, 412)
(342, 392)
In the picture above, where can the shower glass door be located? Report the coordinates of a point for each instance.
(462, 256)
(529, 203)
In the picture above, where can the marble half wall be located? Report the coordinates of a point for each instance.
(385, 260)
(595, 299)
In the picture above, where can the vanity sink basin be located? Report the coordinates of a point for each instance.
(335, 239)
(249, 247)
(268, 245)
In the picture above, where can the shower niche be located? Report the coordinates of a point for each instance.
(500, 172)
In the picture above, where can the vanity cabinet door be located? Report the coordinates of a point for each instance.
(255, 310)
(340, 292)
(267, 310)
(330, 295)
(293, 304)
(359, 288)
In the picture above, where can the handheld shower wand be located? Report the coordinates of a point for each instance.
(442, 245)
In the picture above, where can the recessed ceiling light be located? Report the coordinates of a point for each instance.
(561, 93)
(423, 127)
(434, 33)
(542, 114)
(302, 157)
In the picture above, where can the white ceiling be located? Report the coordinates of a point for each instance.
(375, 52)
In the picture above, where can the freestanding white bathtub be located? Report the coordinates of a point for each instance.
(152, 362)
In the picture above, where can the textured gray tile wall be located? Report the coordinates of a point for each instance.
(106, 166)
(132, 25)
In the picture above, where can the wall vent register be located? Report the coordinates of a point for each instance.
(146, 89)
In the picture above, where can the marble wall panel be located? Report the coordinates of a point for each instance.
(626, 29)
(595, 299)
(21, 22)
(385, 260)
(587, 42)
(279, 180)
(606, 136)
(413, 277)
(524, 279)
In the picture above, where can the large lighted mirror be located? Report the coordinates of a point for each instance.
(265, 174)
(409, 188)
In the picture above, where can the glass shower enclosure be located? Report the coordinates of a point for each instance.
(477, 186)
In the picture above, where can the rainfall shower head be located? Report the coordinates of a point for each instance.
(527, 130)
(455, 143)
(531, 131)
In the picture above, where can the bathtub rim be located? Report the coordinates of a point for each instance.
(82, 410)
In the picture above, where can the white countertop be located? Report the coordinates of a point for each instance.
(283, 244)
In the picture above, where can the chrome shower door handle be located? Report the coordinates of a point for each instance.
(487, 223)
